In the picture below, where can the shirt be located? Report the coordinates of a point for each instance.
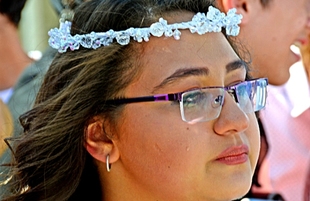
(286, 120)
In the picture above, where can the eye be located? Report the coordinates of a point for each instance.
(191, 99)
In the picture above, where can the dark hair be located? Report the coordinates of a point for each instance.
(51, 162)
(12, 9)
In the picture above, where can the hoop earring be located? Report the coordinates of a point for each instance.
(108, 163)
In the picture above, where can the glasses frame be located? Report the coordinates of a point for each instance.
(178, 96)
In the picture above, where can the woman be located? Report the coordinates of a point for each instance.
(119, 118)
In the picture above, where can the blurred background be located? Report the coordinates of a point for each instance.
(38, 17)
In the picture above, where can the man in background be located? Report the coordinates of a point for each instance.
(27, 87)
(268, 29)
(13, 58)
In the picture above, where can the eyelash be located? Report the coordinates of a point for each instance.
(235, 82)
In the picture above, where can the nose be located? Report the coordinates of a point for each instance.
(232, 119)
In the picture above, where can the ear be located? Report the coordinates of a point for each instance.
(242, 6)
(98, 144)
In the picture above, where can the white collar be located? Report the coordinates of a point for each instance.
(298, 89)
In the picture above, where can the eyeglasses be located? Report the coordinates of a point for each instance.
(206, 103)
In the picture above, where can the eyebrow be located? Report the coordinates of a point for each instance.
(237, 64)
(200, 71)
(182, 73)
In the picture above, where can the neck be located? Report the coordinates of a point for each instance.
(13, 59)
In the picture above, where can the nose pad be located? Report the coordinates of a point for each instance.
(233, 94)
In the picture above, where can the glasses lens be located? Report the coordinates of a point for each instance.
(260, 94)
(244, 93)
(252, 95)
(206, 104)
(201, 105)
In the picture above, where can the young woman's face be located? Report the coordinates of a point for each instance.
(165, 158)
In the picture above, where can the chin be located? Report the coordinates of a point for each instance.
(239, 188)
(239, 194)
(233, 193)
(280, 80)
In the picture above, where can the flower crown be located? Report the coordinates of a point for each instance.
(201, 23)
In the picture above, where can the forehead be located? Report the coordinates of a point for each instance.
(190, 50)
(162, 57)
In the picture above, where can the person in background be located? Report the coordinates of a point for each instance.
(25, 90)
(268, 29)
(146, 100)
(6, 126)
(286, 120)
(13, 58)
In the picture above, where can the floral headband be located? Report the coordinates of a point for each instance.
(201, 23)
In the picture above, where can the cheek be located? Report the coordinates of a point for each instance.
(298, 16)
(146, 135)
(163, 149)
(253, 135)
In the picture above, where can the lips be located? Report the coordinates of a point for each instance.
(301, 41)
(234, 155)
